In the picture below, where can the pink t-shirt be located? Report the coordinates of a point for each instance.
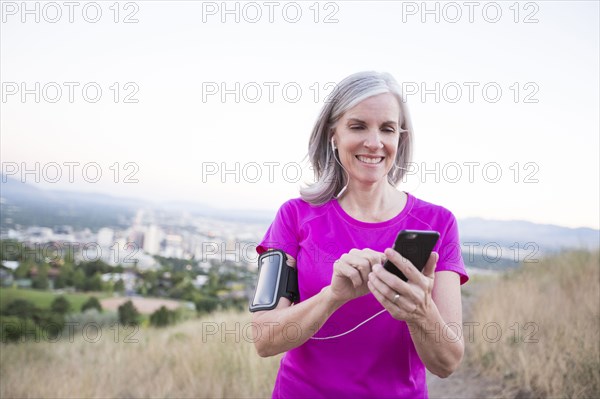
(378, 359)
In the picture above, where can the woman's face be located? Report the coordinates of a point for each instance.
(367, 138)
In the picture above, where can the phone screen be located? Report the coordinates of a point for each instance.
(268, 280)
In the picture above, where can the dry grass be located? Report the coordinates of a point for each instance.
(549, 315)
(183, 361)
(560, 298)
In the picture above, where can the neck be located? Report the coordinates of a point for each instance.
(370, 202)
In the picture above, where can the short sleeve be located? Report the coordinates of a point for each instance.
(283, 232)
(450, 252)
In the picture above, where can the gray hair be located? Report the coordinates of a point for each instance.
(330, 178)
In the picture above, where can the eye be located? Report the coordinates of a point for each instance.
(356, 127)
(389, 129)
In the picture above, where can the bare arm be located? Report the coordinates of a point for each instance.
(287, 327)
(438, 337)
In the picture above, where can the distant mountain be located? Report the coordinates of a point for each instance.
(26, 205)
(548, 237)
(15, 191)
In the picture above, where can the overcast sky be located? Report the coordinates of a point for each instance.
(504, 98)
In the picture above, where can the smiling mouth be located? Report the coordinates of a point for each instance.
(369, 160)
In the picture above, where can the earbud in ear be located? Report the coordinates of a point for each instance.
(333, 144)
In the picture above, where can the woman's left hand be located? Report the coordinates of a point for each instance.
(409, 301)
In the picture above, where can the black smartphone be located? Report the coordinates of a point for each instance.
(414, 245)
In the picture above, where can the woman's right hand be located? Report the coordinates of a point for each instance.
(351, 273)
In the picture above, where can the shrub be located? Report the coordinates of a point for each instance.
(20, 308)
(40, 282)
(92, 303)
(128, 314)
(50, 322)
(163, 317)
(12, 328)
(60, 305)
(33, 323)
(207, 304)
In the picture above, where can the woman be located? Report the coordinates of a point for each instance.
(358, 330)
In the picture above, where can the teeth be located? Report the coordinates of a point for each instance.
(369, 160)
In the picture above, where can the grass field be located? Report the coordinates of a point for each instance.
(547, 316)
(544, 335)
(195, 359)
(43, 299)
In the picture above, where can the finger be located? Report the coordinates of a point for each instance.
(389, 279)
(381, 298)
(400, 307)
(404, 301)
(345, 270)
(411, 291)
(357, 260)
(429, 269)
(382, 286)
(375, 257)
(372, 257)
(403, 264)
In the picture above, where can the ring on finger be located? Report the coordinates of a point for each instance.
(396, 297)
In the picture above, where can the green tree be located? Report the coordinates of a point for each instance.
(92, 303)
(79, 279)
(11, 250)
(128, 314)
(93, 283)
(40, 281)
(60, 281)
(60, 305)
(207, 304)
(119, 286)
(23, 270)
(94, 267)
(214, 284)
(184, 290)
(66, 274)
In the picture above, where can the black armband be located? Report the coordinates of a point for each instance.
(275, 280)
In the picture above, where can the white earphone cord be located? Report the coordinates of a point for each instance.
(342, 166)
(349, 331)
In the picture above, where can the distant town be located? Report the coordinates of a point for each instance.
(165, 254)
(199, 238)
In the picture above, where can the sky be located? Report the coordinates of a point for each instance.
(214, 103)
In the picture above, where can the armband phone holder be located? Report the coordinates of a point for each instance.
(275, 280)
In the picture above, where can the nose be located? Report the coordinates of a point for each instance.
(373, 140)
